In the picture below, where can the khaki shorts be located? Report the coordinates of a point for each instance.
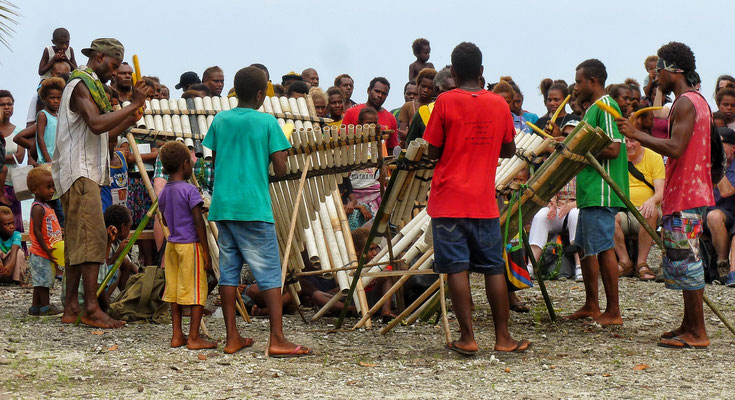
(85, 232)
(630, 225)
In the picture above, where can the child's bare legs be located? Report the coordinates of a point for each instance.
(40, 296)
(234, 341)
(177, 339)
(386, 309)
(196, 342)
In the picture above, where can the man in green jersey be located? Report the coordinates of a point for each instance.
(596, 201)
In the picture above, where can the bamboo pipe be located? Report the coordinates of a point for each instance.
(336, 298)
(410, 308)
(293, 225)
(656, 238)
(422, 263)
(400, 246)
(416, 314)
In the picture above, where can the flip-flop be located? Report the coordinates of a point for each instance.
(520, 308)
(683, 344)
(293, 354)
(667, 335)
(519, 347)
(464, 352)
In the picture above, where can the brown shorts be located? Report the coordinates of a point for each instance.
(85, 232)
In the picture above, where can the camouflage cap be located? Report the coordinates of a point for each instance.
(107, 46)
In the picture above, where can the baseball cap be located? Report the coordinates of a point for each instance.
(107, 46)
(188, 78)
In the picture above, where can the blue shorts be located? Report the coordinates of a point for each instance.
(253, 243)
(595, 230)
(462, 244)
(42, 271)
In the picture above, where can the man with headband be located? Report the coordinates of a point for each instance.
(688, 189)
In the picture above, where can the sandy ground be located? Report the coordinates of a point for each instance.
(41, 358)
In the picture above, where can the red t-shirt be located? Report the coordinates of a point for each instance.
(385, 119)
(470, 127)
(688, 180)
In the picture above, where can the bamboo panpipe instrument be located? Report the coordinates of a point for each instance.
(561, 166)
(528, 147)
(418, 302)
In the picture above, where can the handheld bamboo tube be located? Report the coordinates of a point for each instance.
(293, 105)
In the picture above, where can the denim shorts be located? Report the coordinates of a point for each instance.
(462, 244)
(42, 271)
(253, 243)
(595, 230)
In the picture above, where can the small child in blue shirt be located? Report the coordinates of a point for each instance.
(13, 266)
(244, 142)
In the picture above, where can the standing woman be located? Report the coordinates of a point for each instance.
(554, 93)
(12, 152)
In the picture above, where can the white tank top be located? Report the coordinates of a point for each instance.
(51, 52)
(79, 153)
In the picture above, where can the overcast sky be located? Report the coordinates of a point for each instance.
(528, 40)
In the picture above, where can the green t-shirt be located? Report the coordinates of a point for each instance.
(592, 190)
(243, 140)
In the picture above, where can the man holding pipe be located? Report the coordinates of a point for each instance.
(596, 201)
(469, 129)
(688, 190)
(81, 165)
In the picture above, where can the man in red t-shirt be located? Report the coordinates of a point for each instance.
(688, 189)
(467, 132)
(377, 93)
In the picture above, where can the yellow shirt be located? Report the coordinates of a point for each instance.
(652, 167)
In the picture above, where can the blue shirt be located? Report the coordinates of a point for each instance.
(243, 140)
(13, 240)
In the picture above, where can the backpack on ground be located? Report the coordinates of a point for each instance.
(141, 299)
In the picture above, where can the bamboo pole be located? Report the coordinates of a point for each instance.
(422, 263)
(287, 251)
(642, 221)
(416, 314)
(410, 308)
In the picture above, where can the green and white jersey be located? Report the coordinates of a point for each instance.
(592, 190)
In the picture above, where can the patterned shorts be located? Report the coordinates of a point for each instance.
(682, 263)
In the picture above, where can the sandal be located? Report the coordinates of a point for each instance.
(644, 272)
(625, 269)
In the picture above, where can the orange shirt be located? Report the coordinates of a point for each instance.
(50, 229)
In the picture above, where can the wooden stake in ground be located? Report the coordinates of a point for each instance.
(656, 238)
(292, 227)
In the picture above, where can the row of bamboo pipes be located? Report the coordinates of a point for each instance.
(528, 147)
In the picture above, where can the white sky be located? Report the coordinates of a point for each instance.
(528, 40)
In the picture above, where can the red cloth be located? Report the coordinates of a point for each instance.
(385, 119)
(688, 180)
(470, 126)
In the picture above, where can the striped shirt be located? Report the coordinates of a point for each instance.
(592, 190)
(79, 153)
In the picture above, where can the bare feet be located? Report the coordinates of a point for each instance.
(517, 347)
(99, 319)
(199, 343)
(69, 317)
(606, 319)
(178, 340)
(584, 312)
(237, 344)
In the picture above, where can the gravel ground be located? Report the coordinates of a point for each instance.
(41, 358)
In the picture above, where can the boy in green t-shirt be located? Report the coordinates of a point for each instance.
(244, 142)
(596, 201)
